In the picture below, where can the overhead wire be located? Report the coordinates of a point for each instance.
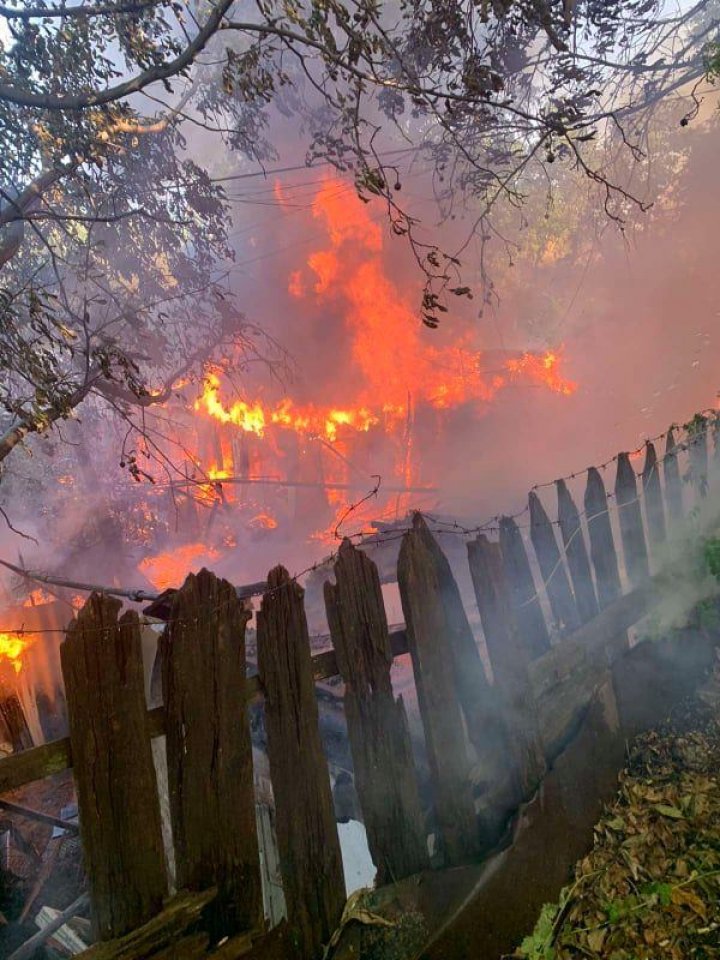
(709, 418)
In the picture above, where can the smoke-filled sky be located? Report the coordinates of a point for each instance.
(632, 315)
(628, 320)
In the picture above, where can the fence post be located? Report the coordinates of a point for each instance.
(117, 793)
(428, 633)
(652, 490)
(209, 753)
(631, 526)
(308, 842)
(602, 544)
(524, 598)
(576, 553)
(552, 567)
(673, 483)
(509, 657)
(377, 723)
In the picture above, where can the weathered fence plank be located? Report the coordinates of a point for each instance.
(602, 544)
(652, 491)
(427, 630)
(209, 753)
(631, 525)
(564, 680)
(377, 724)
(671, 474)
(697, 444)
(117, 793)
(552, 567)
(509, 658)
(576, 553)
(524, 598)
(305, 821)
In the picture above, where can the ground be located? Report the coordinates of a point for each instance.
(650, 887)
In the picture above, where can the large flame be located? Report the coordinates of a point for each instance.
(391, 373)
(170, 569)
(393, 354)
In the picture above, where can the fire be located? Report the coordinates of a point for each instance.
(264, 521)
(393, 377)
(390, 350)
(543, 370)
(256, 418)
(12, 647)
(37, 597)
(170, 569)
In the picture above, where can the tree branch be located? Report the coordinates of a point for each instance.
(23, 427)
(81, 101)
(48, 13)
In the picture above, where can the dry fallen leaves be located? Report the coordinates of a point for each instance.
(650, 888)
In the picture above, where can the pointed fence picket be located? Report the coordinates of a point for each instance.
(552, 567)
(576, 552)
(653, 494)
(631, 525)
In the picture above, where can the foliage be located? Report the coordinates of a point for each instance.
(713, 61)
(111, 225)
(540, 944)
(711, 552)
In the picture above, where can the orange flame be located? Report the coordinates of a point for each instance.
(390, 349)
(264, 521)
(396, 368)
(170, 569)
(543, 370)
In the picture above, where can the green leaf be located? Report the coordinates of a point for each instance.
(668, 811)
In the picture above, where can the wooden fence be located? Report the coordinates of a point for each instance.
(553, 616)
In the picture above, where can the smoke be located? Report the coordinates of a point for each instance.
(632, 318)
(686, 586)
(633, 314)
